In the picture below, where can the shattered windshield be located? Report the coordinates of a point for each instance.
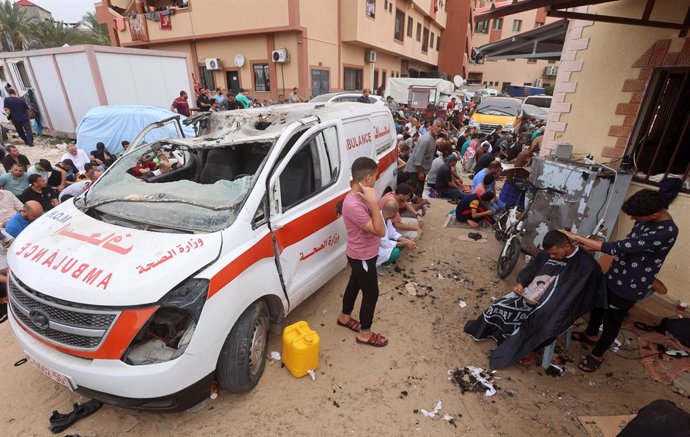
(174, 186)
(495, 106)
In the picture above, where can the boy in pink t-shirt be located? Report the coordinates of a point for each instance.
(365, 227)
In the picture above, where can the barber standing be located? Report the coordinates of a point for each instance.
(419, 164)
(637, 260)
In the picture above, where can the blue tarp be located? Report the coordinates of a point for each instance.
(113, 124)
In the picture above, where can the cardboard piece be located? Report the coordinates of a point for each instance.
(604, 426)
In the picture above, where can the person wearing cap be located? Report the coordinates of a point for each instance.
(78, 157)
(55, 176)
(446, 185)
(40, 192)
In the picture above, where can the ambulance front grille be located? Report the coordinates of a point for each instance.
(77, 328)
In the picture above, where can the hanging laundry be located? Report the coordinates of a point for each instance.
(138, 28)
(120, 24)
(153, 16)
(166, 22)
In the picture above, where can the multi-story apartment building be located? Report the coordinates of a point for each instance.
(500, 74)
(271, 46)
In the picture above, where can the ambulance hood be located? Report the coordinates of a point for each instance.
(70, 256)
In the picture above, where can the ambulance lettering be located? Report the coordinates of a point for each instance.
(66, 265)
(380, 133)
(354, 142)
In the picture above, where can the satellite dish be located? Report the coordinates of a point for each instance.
(458, 80)
(239, 60)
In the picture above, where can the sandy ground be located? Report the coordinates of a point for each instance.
(362, 389)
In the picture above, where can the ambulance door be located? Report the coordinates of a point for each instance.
(305, 188)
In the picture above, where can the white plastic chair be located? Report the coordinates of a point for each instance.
(549, 350)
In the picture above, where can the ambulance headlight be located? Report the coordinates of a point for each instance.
(170, 329)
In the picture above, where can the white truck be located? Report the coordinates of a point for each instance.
(155, 283)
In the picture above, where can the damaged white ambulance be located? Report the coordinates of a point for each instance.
(166, 275)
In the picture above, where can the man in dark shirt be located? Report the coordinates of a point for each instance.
(40, 192)
(232, 103)
(364, 98)
(483, 162)
(204, 101)
(14, 157)
(445, 183)
(101, 156)
(19, 116)
(637, 260)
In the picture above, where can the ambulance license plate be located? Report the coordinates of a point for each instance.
(52, 374)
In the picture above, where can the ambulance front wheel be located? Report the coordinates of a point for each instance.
(243, 357)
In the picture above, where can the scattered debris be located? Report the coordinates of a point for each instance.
(60, 422)
(462, 303)
(434, 412)
(275, 355)
(336, 404)
(411, 288)
(312, 374)
(474, 379)
(440, 276)
(554, 370)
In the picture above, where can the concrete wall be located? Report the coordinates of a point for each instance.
(597, 64)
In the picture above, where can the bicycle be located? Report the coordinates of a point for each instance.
(510, 227)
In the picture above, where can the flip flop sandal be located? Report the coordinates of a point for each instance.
(582, 338)
(352, 325)
(60, 422)
(589, 364)
(474, 236)
(645, 327)
(375, 340)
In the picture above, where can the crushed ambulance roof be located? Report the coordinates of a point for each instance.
(259, 124)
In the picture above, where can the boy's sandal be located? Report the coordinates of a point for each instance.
(582, 338)
(376, 340)
(589, 364)
(351, 324)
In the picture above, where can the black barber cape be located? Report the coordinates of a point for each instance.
(572, 287)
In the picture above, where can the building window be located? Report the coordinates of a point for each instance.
(482, 27)
(498, 23)
(438, 43)
(661, 134)
(399, 29)
(425, 40)
(262, 81)
(419, 31)
(531, 61)
(371, 8)
(410, 23)
(431, 40)
(538, 24)
(206, 77)
(320, 82)
(24, 81)
(352, 79)
(517, 25)
(552, 62)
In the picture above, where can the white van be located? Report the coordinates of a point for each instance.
(152, 285)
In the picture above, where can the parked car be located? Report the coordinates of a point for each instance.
(346, 97)
(495, 111)
(152, 285)
(538, 107)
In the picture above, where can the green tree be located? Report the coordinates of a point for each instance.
(56, 34)
(97, 31)
(15, 28)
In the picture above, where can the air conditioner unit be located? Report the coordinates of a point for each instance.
(538, 83)
(551, 70)
(370, 57)
(280, 56)
(213, 64)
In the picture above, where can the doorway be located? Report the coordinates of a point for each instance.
(232, 78)
(320, 82)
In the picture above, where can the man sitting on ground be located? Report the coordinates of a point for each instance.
(31, 211)
(472, 209)
(446, 185)
(408, 227)
(391, 243)
(9, 206)
(494, 168)
(14, 157)
(101, 156)
(559, 285)
(40, 192)
(16, 181)
(78, 157)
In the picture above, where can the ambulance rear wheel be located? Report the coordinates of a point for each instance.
(243, 357)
